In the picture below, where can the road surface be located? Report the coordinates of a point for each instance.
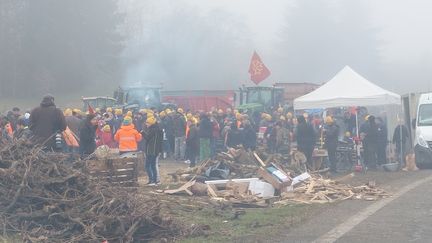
(404, 217)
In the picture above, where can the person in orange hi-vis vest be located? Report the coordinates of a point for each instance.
(127, 136)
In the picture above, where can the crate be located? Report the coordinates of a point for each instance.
(267, 176)
(120, 171)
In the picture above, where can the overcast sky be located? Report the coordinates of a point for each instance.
(402, 29)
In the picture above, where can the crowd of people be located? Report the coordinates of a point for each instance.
(189, 137)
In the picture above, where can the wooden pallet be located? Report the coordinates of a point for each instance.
(123, 171)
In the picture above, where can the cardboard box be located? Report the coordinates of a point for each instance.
(272, 179)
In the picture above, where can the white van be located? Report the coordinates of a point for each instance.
(423, 137)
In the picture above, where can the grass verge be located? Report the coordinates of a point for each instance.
(255, 225)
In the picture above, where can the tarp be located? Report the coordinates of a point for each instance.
(347, 88)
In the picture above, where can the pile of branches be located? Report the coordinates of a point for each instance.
(43, 198)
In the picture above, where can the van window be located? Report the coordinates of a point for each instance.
(425, 115)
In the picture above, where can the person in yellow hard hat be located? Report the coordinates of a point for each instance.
(192, 142)
(153, 136)
(73, 122)
(67, 112)
(117, 120)
(331, 138)
(289, 115)
(179, 130)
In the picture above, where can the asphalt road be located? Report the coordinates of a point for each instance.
(405, 217)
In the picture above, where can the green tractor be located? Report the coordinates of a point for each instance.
(130, 98)
(260, 99)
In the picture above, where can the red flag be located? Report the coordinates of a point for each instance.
(90, 109)
(257, 69)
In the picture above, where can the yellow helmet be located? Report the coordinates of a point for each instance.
(282, 118)
(151, 120)
(162, 114)
(129, 113)
(68, 112)
(289, 115)
(268, 117)
(180, 110)
(118, 112)
(109, 109)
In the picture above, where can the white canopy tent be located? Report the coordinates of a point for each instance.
(347, 88)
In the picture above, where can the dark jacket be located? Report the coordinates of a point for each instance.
(397, 134)
(192, 140)
(153, 137)
(45, 122)
(234, 138)
(331, 136)
(179, 123)
(249, 138)
(371, 131)
(74, 124)
(205, 128)
(87, 137)
(305, 135)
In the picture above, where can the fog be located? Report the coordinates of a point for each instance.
(73, 48)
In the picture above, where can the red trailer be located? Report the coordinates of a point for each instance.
(200, 100)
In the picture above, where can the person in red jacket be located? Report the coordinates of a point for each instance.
(127, 136)
(105, 137)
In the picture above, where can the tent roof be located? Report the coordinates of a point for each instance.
(347, 88)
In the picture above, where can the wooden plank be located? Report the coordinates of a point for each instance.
(310, 188)
(211, 190)
(183, 188)
(259, 159)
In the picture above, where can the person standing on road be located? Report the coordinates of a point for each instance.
(331, 134)
(179, 134)
(400, 139)
(249, 136)
(153, 136)
(382, 141)
(47, 121)
(192, 143)
(370, 135)
(234, 137)
(87, 136)
(305, 136)
(127, 136)
(205, 134)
